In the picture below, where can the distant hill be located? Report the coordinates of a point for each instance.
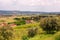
(2, 12)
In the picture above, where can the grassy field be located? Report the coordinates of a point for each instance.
(21, 31)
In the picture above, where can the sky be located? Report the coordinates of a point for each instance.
(31, 5)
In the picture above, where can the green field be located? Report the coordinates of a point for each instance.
(22, 28)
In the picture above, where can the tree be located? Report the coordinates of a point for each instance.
(50, 24)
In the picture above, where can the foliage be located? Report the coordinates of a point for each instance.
(36, 18)
(31, 25)
(32, 32)
(17, 19)
(24, 18)
(50, 24)
(25, 38)
(6, 33)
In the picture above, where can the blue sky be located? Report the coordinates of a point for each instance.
(31, 5)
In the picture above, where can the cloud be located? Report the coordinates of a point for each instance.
(30, 5)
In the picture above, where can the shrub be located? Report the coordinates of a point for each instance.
(17, 19)
(23, 18)
(36, 18)
(50, 24)
(6, 33)
(32, 32)
(24, 38)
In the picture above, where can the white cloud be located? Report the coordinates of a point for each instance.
(38, 5)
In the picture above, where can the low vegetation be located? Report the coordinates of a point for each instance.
(31, 28)
(6, 33)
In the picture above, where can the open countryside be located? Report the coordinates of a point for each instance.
(30, 27)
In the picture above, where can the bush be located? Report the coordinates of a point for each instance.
(50, 24)
(6, 33)
(17, 19)
(32, 32)
(24, 38)
(36, 18)
(23, 18)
